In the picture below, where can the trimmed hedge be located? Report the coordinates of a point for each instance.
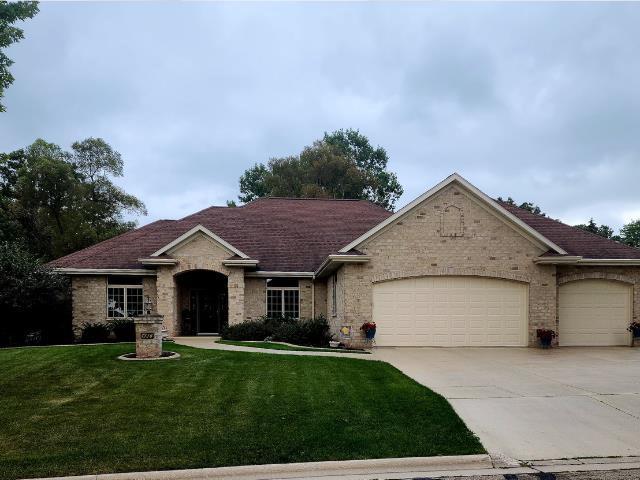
(312, 332)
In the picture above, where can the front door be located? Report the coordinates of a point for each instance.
(208, 310)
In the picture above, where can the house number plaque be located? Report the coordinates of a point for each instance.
(147, 335)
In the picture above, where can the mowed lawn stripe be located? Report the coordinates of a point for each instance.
(77, 410)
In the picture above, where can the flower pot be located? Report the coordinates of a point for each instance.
(370, 334)
(334, 344)
(545, 342)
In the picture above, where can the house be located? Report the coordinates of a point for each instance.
(452, 268)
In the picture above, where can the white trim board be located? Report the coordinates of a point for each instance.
(105, 271)
(195, 230)
(473, 190)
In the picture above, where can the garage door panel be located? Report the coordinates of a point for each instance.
(450, 311)
(594, 312)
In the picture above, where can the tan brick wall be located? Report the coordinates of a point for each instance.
(89, 295)
(200, 253)
(89, 300)
(320, 292)
(471, 241)
(306, 298)
(255, 297)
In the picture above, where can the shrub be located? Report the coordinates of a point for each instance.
(313, 332)
(124, 329)
(94, 333)
(248, 330)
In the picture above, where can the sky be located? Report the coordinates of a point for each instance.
(540, 102)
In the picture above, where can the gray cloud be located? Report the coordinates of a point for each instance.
(534, 101)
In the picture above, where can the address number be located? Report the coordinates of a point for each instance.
(147, 336)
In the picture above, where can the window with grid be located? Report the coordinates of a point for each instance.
(124, 301)
(283, 298)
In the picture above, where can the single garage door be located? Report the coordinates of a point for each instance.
(594, 312)
(450, 311)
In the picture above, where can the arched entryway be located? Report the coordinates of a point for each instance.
(202, 302)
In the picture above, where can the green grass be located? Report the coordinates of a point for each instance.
(77, 410)
(281, 346)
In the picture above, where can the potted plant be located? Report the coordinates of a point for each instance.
(369, 329)
(634, 328)
(546, 337)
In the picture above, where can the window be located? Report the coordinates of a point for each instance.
(283, 298)
(334, 294)
(124, 301)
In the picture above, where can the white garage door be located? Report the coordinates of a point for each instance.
(450, 311)
(594, 312)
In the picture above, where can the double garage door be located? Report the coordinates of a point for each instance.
(475, 311)
(450, 311)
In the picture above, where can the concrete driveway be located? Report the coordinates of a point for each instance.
(531, 404)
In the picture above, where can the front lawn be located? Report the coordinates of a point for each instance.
(283, 346)
(78, 410)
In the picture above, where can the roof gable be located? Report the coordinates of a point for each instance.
(188, 236)
(478, 195)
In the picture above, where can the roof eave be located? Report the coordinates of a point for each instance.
(578, 260)
(334, 261)
(105, 271)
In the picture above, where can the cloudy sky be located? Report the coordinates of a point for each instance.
(538, 102)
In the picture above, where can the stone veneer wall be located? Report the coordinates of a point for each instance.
(255, 297)
(306, 297)
(200, 253)
(89, 298)
(320, 292)
(448, 234)
(630, 275)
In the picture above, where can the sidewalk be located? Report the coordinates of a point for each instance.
(476, 466)
(210, 343)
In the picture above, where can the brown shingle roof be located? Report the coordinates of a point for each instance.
(284, 234)
(296, 235)
(574, 240)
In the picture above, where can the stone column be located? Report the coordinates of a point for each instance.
(148, 336)
(166, 300)
(235, 287)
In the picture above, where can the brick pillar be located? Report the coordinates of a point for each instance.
(166, 300)
(235, 290)
(148, 336)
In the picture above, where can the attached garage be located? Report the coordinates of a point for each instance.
(594, 313)
(447, 311)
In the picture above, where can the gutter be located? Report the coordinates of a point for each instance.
(333, 261)
(578, 260)
(105, 271)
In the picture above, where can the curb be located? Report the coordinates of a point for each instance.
(296, 470)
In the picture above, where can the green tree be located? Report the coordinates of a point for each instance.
(382, 186)
(602, 230)
(529, 206)
(630, 233)
(33, 299)
(10, 13)
(341, 165)
(56, 202)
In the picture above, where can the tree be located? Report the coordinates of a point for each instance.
(602, 230)
(33, 299)
(529, 206)
(341, 165)
(56, 202)
(630, 233)
(10, 13)
(383, 187)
